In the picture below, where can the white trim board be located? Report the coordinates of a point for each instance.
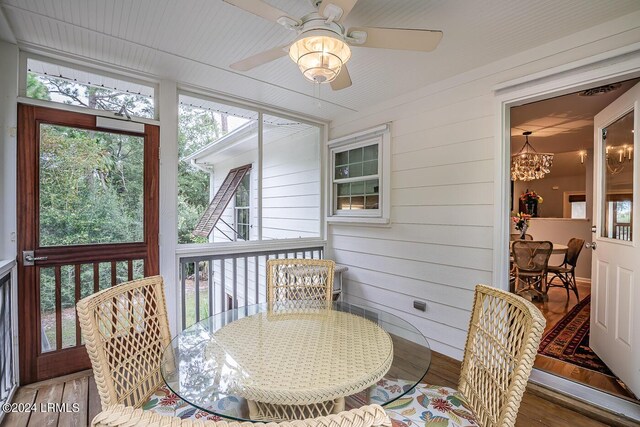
(586, 394)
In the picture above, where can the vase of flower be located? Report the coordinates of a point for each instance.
(521, 223)
(530, 201)
(532, 208)
(523, 231)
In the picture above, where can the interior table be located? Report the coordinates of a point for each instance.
(293, 360)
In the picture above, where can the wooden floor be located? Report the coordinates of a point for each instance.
(80, 389)
(555, 309)
(76, 392)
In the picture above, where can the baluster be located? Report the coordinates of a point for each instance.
(78, 296)
(183, 280)
(256, 265)
(246, 281)
(234, 274)
(223, 285)
(58, 292)
(197, 293)
(130, 270)
(96, 277)
(210, 287)
(114, 274)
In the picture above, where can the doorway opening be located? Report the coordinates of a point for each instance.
(556, 204)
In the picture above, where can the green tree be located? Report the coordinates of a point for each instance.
(37, 89)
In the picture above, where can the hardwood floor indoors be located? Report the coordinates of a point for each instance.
(554, 310)
(80, 388)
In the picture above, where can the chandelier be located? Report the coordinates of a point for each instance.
(319, 55)
(527, 164)
(616, 157)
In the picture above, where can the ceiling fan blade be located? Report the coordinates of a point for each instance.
(345, 5)
(260, 58)
(259, 8)
(343, 80)
(398, 38)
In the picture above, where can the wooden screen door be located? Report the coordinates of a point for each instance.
(615, 276)
(87, 220)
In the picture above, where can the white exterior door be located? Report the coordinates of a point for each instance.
(615, 317)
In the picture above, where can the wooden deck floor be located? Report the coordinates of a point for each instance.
(80, 389)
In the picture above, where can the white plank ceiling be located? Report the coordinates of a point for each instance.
(194, 41)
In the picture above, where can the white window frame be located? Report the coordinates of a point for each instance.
(236, 209)
(380, 135)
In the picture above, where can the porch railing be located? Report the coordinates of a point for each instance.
(213, 283)
(8, 382)
(623, 232)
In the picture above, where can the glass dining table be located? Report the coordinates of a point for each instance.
(295, 360)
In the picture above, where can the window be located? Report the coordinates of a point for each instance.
(578, 203)
(89, 89)
(218, 202)
(242, 217)
(356, 176)
(360, 176)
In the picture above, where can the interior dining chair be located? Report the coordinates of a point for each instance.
(125, 331)
(296, 279)
(531, 261)
(502, 343)
(566, 272)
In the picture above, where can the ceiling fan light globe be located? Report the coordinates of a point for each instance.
(319, 57)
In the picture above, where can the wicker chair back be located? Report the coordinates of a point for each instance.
(502, 344)
(295, 279)
(125, 330)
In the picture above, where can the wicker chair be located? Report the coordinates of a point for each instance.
(531, 260)
(516, 236)
(502, 343)
(125, 331)
(566, 271)
(114, 321)
(296, 279)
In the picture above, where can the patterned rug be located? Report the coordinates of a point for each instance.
(568, 340)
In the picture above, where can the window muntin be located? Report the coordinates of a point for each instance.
(92, 90)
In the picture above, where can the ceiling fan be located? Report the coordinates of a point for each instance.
(321, 48)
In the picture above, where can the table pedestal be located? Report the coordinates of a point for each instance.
(260, 411)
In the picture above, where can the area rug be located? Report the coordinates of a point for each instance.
(568, 340)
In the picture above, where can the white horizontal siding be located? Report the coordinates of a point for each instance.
(290, 185)
(439, 243)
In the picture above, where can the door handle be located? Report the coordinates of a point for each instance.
(28, 258)
(591, 246)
